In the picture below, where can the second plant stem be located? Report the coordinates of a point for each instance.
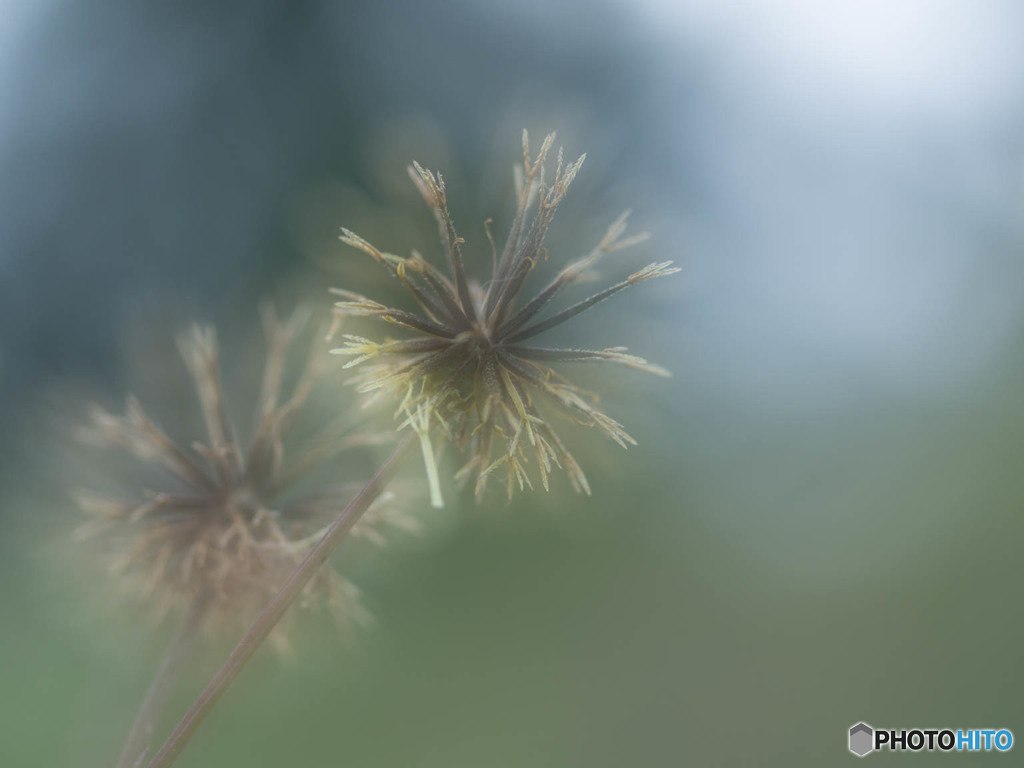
(277, 606)
(178, 652)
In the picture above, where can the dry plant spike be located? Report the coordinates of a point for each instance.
(468, 371)
(220, 528)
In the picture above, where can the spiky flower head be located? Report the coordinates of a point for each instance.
(471, 369)
(224, 531)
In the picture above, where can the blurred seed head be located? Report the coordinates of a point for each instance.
(224, 527)
(468, 368)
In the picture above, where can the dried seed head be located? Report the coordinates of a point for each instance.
(225, 530)
(469, 371)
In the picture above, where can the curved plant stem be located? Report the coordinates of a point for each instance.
(167, 673)
(277, 606)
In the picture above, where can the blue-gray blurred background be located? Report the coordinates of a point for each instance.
(822, 521)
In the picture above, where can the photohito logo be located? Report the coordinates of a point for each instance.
(863, 740)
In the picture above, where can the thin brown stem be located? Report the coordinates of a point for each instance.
(277, 606)
(167, 674)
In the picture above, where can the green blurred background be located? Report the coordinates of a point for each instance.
(822, 522)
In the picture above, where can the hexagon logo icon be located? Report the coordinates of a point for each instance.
(862, 739)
